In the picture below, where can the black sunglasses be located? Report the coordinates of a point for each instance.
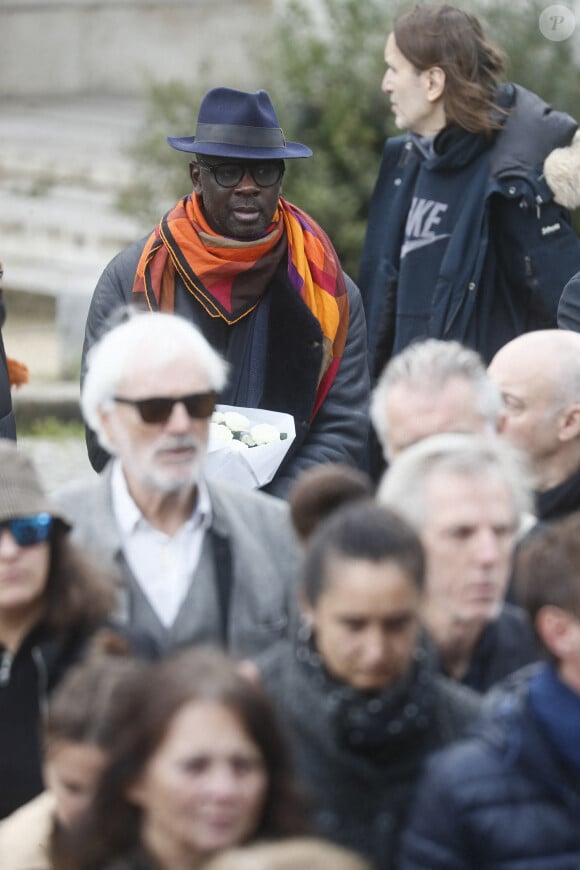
(27, 531)
(265, 174)
(159, 409)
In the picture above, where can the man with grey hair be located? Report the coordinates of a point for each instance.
(467, 496)
(195, 561)
(432, 386)
(538, 375)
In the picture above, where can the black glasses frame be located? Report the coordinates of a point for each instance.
(252, 168)
(158, 409)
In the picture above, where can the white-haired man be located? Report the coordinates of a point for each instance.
(196, 561)
(432, 386)
(466, 495)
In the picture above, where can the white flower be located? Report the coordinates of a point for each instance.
(264, 433)
(236, 422)
(220, 434)
(237, 446)
(247, 445)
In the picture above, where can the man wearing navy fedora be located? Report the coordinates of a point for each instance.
(261, 280)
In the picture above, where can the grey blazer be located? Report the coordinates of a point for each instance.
(242, 592)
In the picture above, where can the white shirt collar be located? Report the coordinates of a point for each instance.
(129, 516)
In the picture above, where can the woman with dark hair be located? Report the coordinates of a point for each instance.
(357, 689)
(197, 764)
(52, 603)
(76, 732)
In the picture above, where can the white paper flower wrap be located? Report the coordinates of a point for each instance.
(247, 445)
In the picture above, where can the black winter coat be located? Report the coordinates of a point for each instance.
(26, 679)
(502, 800)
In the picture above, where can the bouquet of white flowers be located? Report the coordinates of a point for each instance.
(247, 445)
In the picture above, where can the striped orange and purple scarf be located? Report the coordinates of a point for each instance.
(227, 276)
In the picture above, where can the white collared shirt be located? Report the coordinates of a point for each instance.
(162, 564)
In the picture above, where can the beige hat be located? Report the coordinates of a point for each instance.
(21, 491)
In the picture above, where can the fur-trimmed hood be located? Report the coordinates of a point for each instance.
(562, 172)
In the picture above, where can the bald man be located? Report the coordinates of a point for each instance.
(538, 375)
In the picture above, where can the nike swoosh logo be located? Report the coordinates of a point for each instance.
(421, 243)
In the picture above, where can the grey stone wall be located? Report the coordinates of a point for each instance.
(113, 47)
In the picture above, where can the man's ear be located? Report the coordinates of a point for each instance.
(553, 626)
(569, 423)
(106, 423)
(435, 79)
(194, 173)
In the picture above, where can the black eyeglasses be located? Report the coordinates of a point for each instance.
(28, 531)
(159, 409)
(265, 174)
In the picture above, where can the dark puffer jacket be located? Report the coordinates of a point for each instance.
(502, 800)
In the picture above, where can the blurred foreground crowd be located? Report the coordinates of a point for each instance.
(374, 661)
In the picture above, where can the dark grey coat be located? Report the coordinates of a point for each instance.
(360, 800)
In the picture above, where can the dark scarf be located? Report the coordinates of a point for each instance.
(377, 724)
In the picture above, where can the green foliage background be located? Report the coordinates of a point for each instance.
(323, 71)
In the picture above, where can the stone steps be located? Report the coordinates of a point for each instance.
(62, 163)
(61, 240)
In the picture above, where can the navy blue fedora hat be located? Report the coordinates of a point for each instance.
(238, 124)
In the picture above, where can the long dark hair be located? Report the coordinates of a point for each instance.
(77, 591)
(454, 40)
(113, 827)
